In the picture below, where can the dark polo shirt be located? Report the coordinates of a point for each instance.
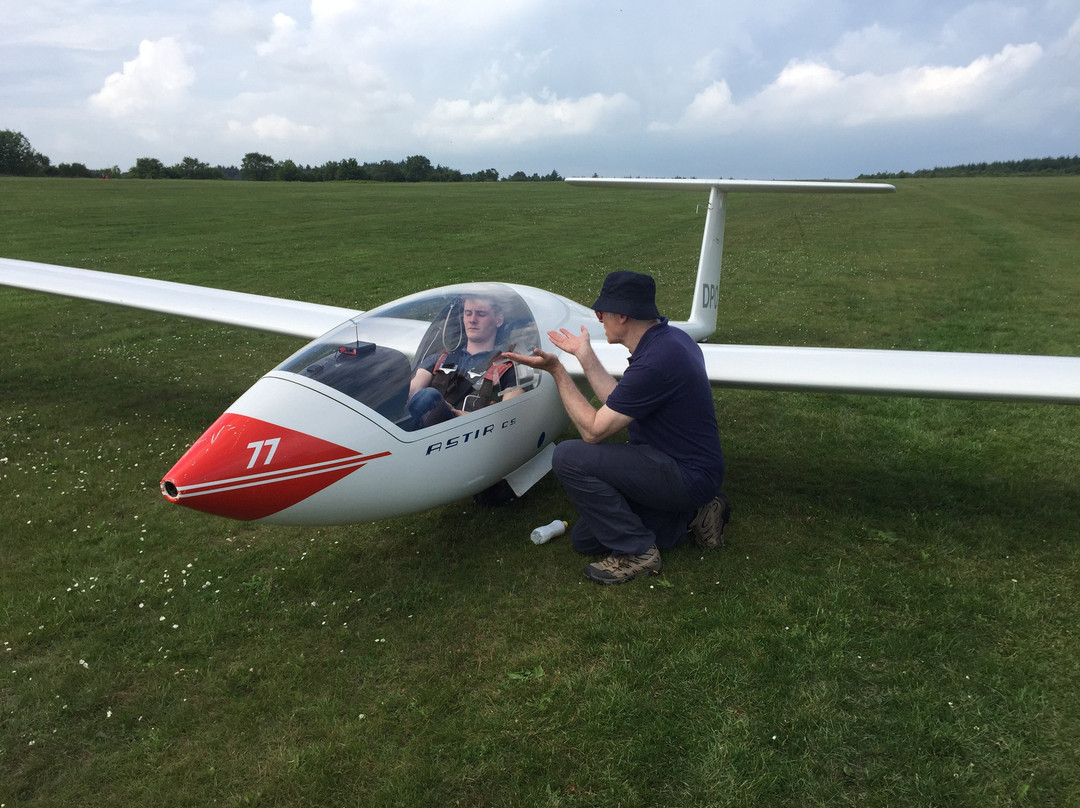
(666, 391)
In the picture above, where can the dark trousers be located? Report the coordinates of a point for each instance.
(628, 498)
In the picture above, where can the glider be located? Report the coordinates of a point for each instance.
(326, 436)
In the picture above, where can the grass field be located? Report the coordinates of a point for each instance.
(894, 621)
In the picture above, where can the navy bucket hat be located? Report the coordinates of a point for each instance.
(629, 293)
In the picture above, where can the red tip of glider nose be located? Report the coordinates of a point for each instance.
(248, 469)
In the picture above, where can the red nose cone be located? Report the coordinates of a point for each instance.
(248, 469)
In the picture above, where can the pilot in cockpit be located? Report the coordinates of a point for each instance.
(452, 382)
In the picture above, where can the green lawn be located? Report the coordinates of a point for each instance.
(893, 623)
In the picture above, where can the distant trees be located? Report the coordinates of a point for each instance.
(386, 171)
(258, 167)
(192, 169)
(17, 156)
(348, 169)
(520, 176)
(1041, 166)
(74, 170)
(416, 168)
(150, 168)
(287, 171)
(147, 168)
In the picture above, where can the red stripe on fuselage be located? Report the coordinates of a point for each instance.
(245, 468)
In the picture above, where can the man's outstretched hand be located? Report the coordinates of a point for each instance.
(576, 345)
(541, 360)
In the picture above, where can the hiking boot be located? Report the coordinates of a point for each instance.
(617, 569)
(708, 526)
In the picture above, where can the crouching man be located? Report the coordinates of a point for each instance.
(635, 499)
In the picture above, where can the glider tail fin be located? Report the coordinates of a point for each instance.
(703, 309)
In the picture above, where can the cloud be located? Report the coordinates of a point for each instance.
(235, 18)
(273, 127)
(712, 107)
(424, 24)
(503, 121)
(814, 93)
(542, 83)
(314, 61)
(329, 10)
(282, 36)
(157, 79)
(874, 47)
(1070, 43)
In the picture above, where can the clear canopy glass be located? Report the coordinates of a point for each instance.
(372, 358)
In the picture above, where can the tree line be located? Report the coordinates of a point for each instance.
(1042, 166)
(19, 158)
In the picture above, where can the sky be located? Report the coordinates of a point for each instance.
(784, 89)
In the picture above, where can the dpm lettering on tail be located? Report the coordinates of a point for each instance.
(710, 292)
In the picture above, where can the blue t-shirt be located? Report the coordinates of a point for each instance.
(666, 391)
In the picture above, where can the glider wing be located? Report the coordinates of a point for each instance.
(930, 374)
(257, 312)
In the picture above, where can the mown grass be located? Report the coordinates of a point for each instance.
(893, 622)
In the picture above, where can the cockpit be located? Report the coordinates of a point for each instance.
(372, 357)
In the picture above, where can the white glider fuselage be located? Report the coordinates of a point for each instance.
(326, 438)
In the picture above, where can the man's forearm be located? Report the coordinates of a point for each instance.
(593, 425)
(578, 407)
